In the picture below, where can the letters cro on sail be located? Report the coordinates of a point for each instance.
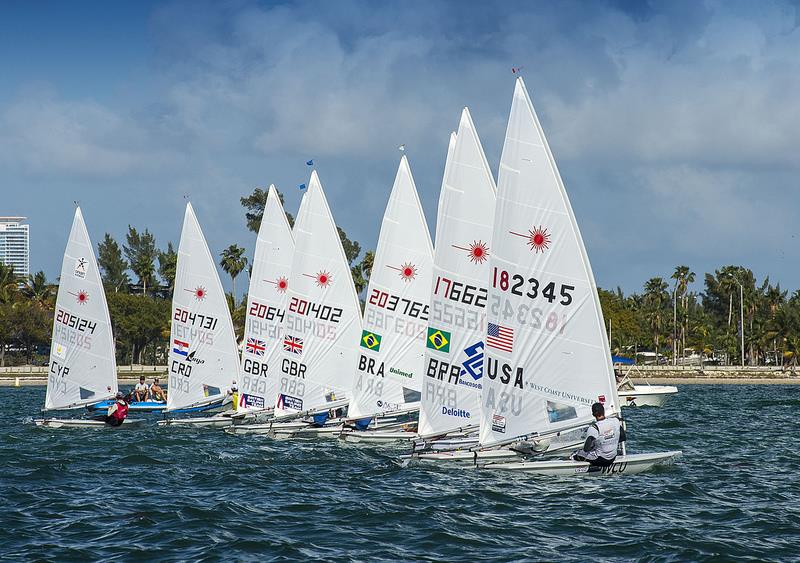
(553, 361)
(203, 357)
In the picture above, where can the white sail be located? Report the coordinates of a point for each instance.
(453, 374)
(83, 368)
(547, 357)
(266, 306)
(203, 357)
(392, 344)
(451, 147)
(322, 325)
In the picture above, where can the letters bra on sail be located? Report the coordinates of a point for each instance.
(392, 343)
(453, 371)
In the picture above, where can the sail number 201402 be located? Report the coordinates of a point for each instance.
(532, 287)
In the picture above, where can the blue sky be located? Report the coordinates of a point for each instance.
(675, 124)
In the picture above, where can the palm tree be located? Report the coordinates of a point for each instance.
(683, 276)
(38, 290)
(233, 261)
(655, 294)
(9, 283)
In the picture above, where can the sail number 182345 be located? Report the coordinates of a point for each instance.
(531, 287)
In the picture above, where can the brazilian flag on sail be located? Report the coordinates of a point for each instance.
(438, 340)
(370, 340)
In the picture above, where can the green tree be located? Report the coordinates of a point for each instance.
(655, 297)
(167, 267)
(255, 203)
(9, 284)
(233, 261)
(138, 321)
(39, 291)
(141, 253)
(113, 267)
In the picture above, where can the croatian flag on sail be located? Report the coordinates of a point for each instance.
(256, 346)
(181, 348)
(500, 337)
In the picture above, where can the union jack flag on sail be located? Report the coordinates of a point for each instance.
(293, 344)
(255, 346)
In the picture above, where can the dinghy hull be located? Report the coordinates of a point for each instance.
(207, 422)
(647, 395)
(628, 464)
(84, 423)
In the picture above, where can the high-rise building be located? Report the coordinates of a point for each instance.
(14, 244)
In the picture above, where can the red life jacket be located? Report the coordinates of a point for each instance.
(121, 412)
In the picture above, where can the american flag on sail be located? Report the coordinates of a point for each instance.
(293, 344)
(500, 337)
(255, 346)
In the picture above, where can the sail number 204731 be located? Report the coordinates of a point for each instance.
(531, 287)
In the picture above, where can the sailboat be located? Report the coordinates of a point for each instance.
(454, 338)
(83, 368)
(547, 356)
(321, 328)
(266, 310)
(391, 349)
(203, 358)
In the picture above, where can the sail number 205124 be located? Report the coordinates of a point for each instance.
(531, 287)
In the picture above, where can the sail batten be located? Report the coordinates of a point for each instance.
(547, 355)
(83, 367)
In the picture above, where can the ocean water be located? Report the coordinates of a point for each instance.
(176, 494)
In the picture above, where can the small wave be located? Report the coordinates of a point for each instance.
(139, 459)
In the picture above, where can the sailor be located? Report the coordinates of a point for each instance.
(602, 439)
(117, 411)
(141, 392)
(156, 392)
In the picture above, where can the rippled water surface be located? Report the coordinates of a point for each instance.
(175, 494)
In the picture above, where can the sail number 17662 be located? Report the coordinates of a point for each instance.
(531, 287)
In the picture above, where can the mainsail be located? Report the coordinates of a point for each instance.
(322, 325)
(203, 357)
(453, 372)
(547, 357)
(83, 368)
(392, 344)
(266, 307)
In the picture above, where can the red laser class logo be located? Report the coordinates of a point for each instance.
(199, 292)
(538, 238)
(322, 278)
(407, 271)
(281, 284)
(82, 297)
(478, 251)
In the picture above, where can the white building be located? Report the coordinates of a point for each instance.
(14, 244)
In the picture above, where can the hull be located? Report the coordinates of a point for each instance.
(266, 428)
(628, 464)
(464, 456)
(207, 421)
(144, 406)
(377, 436)
(84, 423)
(647, 395)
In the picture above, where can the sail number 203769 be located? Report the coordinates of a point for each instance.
(532, 287)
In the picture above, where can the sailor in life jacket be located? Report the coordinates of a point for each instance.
(117, 411)
(602, 439)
